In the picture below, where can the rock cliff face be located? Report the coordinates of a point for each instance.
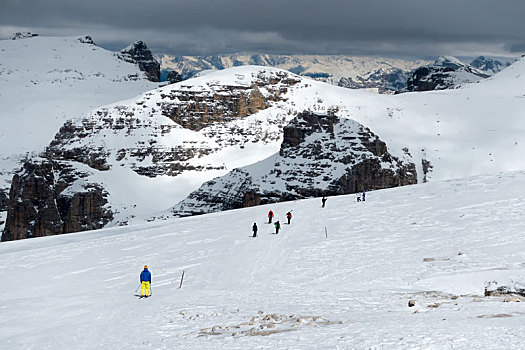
(139, 53)
(4, 200)
(444, 73)
(111, 136)
(320, 155)
(42, 203)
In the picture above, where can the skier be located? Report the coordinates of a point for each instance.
(270, 216)
(363, 195)
(289, 217)
(254, 230)
(145, 280)
(277, 227)
(358, 198)
(323, 200)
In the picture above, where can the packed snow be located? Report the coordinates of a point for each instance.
(336, 277)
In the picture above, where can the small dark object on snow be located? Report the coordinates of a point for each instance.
(411, 303)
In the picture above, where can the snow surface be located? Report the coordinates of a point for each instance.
(337, 277)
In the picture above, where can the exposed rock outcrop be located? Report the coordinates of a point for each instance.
(86, 40)
(41, 202)
(139, 53)
(23, 35)
(173, 77)
(4, 199)
(320, 155)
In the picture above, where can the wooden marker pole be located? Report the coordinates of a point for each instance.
(180, 286)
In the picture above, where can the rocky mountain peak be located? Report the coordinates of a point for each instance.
(488, 65)
(321, 154)
(86, 40)
(139, 54)
(445, 73)
(449, 62)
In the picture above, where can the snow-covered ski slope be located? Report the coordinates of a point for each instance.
(337, 277)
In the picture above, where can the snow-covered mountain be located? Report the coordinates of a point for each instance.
(488, 65)
(445, 73)
(337, 277)
(385, 75)
(141, 156)
(319, 155)
(45, 81)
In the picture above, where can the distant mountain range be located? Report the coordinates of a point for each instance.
(383, 75)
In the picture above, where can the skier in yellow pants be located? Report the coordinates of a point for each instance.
(145, 280)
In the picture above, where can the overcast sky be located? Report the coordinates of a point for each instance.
(402, 28)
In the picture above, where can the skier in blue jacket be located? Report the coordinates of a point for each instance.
(145, 280)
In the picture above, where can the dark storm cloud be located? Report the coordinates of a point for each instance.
(402, 27)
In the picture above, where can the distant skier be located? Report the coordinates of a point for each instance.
(145, 280)
(254, 228)
(289, 217)
(324, 201)
(270, 216)
(277, 227)
(358, 198)
(363, 195)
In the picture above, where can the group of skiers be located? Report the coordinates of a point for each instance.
(277, 224)
(145, 275)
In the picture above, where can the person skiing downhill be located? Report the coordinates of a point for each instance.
(270, 216)
(323, 200)
(145, 281)
(277, 227)
(254, 230)
(289, 217)
(363, 195)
